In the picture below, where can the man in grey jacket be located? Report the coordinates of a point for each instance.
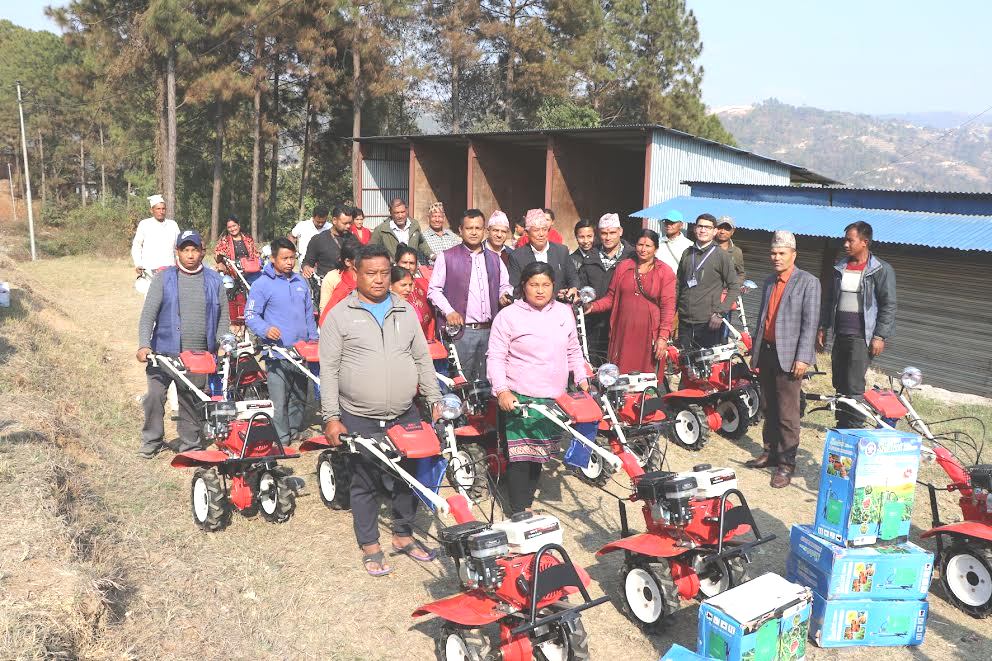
(373, 359)
(790, 308)
(860, 307)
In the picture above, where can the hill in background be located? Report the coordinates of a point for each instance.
(866, 150)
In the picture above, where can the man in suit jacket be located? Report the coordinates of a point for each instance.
(539, 249)
(790, 314)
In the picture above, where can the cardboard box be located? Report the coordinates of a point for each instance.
(901, 571)
(865, 622)
(679, 653)
(867, 486)
(766, 619)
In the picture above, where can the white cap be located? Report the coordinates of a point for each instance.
(155, 199)
(783, 239)
(609, 220)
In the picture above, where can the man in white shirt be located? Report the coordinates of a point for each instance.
(154, 242)
(673, 242)
(305, 230)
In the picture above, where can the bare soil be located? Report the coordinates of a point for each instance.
(99, 557)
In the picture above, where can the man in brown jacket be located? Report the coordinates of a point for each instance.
(373, 359)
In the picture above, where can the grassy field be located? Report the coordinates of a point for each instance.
(99, 558)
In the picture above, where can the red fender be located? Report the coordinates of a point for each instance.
(688, 393)
(315, 443)
(469, 430)
(470, 609)
(964, 528)
(646, 543)
(196, 458)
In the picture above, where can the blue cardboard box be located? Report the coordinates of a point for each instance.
(765, 619)
(679, 653)
(864, 622)
(900, 571)
(867, 486)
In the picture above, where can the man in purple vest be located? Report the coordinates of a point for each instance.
(468, 286)
(185, 309)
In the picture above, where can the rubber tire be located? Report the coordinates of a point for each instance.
(737, 574)
(981, 551)
(755, 389)
(338, 465)
(477, 643)
(739, 407)
(218, 507)
(480, 485)
(661, 572)
(578, 645)
(605, 472)
(704, 428)
(285, 503)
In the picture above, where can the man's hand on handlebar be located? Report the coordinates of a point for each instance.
(333, 430)
(142, 354)
(568, 295)
(273, 333)
(139, 270)
(507, 401)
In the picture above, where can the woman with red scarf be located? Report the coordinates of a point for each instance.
(234, 246)
(346, 278)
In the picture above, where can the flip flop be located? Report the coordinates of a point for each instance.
(415, 545)
(380, 560)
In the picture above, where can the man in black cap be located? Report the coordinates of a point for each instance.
(185, 309)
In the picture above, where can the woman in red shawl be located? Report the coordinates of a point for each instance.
(641, 298)
(234, 244)
(347, 281)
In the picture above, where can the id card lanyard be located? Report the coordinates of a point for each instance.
(692, 282)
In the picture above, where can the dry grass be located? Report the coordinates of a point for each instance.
(98, 557)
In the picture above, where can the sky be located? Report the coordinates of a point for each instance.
(875, 56)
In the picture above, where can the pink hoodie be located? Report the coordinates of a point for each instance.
(531, 351)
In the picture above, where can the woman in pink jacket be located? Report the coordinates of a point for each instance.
(533, 346)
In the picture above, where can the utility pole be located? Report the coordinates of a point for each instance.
(27, 173)
(13, 202)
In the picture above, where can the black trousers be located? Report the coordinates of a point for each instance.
(369, 479)
(598, 337)
(849, 361)
(780, 401)
(190, 421)
(697, 336)
(521, 484)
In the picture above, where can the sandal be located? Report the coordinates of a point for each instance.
(378, 558)
(408, 550)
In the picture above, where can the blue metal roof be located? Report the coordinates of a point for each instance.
(936, 230)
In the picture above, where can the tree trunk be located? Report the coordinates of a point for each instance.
(256, 152)
(456, 111)
(274, 164)
(162, 139)
(103, 171)
(127, 200)
(82, 173)
(170, 164)
(41, 167)
(306, 159)
(508, 92)
(356, 116)
(218, 172)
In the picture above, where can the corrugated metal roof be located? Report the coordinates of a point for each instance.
(936, 230)
(800, 174)
(857, 189)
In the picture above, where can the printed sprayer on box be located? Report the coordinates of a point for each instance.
(867, 486)
(766, 619)
(900, 571)
(861, 622)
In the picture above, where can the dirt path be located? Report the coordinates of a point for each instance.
(298, 590)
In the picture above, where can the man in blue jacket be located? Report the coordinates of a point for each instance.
(860, 308)
(280, 310)
(185, 310)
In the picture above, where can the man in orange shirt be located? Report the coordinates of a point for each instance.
(790, 315)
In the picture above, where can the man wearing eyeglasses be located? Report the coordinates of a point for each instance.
(705, 272)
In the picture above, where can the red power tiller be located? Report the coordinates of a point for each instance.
(242, 472)
(513, 574)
